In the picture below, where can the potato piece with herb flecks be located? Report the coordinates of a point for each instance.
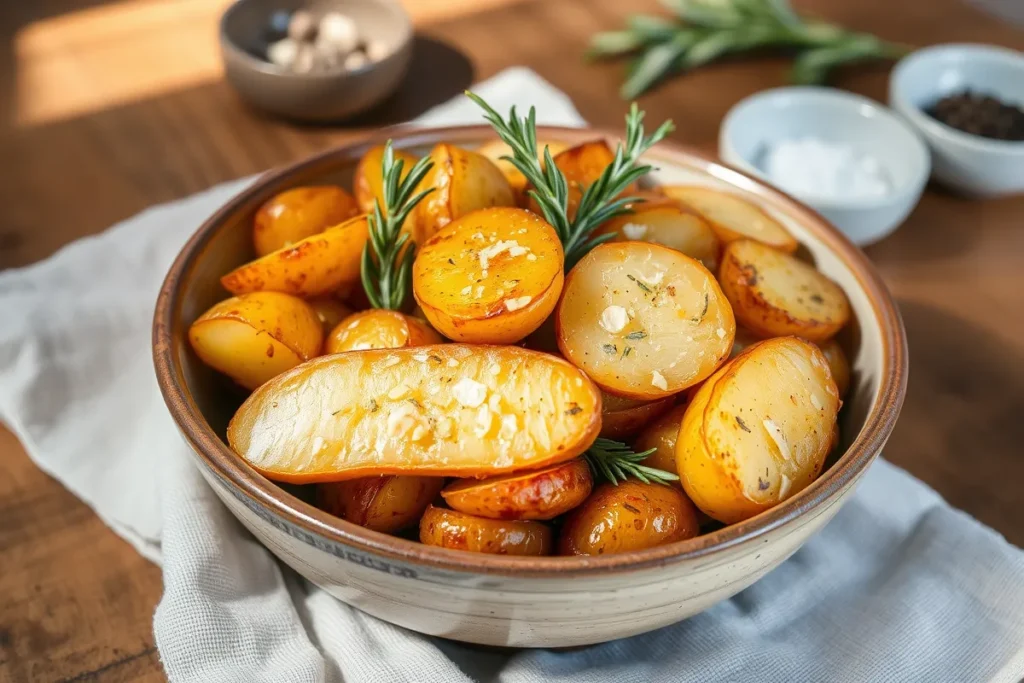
(491, 277)
(642, 320)
(537, 494)
(670, 225)
(379, 329)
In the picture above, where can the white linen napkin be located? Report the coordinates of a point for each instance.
(899, 587)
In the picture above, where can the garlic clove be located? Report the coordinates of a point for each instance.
(283, 52)
(339, 29)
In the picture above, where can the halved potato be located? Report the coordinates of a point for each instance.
(582, 165)
(759, 429)
(496, 149)
(463, 182)
(491, 277)
(296, 214)
(644, 321)
(254, 337)
(368, 183)
(318, 265)
(662, 435)
(630, 516)
(622, 417)
(538, 494)
(379, 329)
(330, 310)
(671, 225)
(459, 531)
(443, 410)
(733, 217)
(775, 294)
(389, 503)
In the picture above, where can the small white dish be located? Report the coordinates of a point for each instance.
(970, 164)
(790, 113)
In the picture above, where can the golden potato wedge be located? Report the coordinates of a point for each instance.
(630, 516)
(838, 364)
(496, 149)
(775, 294)
(318, 265)
(644, 321)
(537, 494)
(379, 329)
(670, 225)
(463, 182)
(662, 435)
(624, 417)
(733, 217)
(759, 429)
(296, 214)
(491, 277)
(254, 337)
(459, 531)
(444, 410)
(582, 165)
(388, 504)
(368, 183)
(330, 310)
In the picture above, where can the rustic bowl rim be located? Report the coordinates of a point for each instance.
(220, 460)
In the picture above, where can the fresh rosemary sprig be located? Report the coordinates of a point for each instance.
(600, 201)
(704, 30)
(617, 462)
(386, 268)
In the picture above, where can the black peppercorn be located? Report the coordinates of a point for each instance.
(981, 115)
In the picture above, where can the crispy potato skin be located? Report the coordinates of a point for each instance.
(388, 504)
(255, 337)
(759, 429)
(669, 223)
(630, 516)
(317, 265)
(624, 417)
(330, 310)
(838, 364)
(295, 214)
(443, 410)
(459, 531)
(774, 294)
(463, 182)
(496, 149)
(379, 329)
(733, 217)
(662, 435)
(539, 494)
(499, 304)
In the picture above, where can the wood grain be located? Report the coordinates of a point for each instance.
(93, 131)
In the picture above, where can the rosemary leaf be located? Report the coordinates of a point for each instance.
(615, 461)
(612, 43)
(656, 63)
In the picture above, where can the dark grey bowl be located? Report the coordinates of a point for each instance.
(316, 97)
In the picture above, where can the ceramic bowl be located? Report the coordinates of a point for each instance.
(322, 96)
(517, 601)
(970, 164)
(834, 116)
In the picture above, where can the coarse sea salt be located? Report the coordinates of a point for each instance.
(820, 169)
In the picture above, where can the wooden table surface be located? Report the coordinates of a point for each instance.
(107, 108)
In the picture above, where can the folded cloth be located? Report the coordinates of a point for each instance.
(899, 587)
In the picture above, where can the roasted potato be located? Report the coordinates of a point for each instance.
(733, 217)
(491, 277)
(775, 294)
(330, 310)
(630, 516)
(496, 149)
(459, 531)
(671, 225)
(538, 494)
(759, 429)
(644, 321)
(379, 329)
(838, 364)
(318, 265)
(254, 337)
(389, 503)
(368, 183)
(662, 435)
(463, 181)
(582, 165)
(623, 417)
(443, 410)
(296, 214)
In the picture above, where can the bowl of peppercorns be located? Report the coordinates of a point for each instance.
(967, 102)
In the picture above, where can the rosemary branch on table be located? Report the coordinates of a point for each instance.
(702, 31)
(615, 462)
(600, 201)
(386, 268)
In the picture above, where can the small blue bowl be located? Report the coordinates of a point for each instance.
(970, 164)
(835, 116)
